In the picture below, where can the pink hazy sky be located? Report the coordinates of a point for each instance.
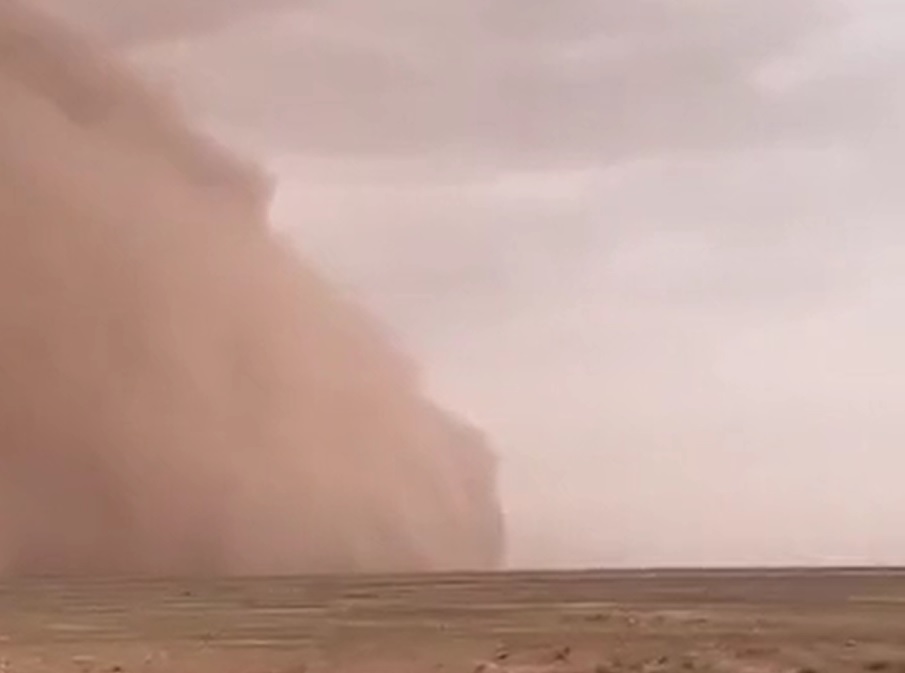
(653, 247)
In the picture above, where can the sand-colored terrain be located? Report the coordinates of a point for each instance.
(757, 622)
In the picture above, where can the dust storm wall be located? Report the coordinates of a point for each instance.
(178, 393)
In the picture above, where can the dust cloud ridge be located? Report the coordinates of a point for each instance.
(180, 395)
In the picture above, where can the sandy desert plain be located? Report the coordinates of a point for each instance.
(738, 621)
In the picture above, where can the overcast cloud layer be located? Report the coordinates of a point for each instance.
(653, 246)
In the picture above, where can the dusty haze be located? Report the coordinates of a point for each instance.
(179, 394)
(654, 247)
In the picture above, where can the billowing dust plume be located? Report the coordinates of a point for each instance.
(177, 393)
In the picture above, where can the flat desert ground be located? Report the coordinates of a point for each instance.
(751, 621)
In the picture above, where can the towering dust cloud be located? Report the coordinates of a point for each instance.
(178, 393)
